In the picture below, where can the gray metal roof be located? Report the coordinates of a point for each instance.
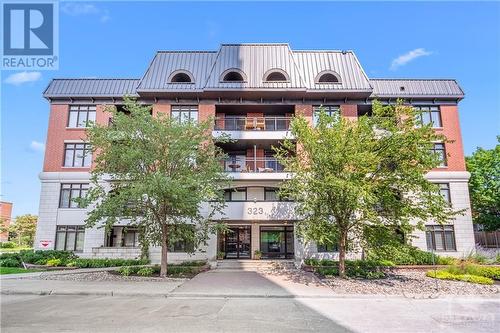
(255, 60)
(343, 63)
(91, 88)
(197, 63)
(416, 88)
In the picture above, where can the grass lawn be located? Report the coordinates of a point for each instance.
(14, 249)
(17, 270)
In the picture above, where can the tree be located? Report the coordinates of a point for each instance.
(156, 171)
(352, 179)
(24, 227)
(484, 184)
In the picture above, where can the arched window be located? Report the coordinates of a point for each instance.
(181, 77)
(233, 75)
(276, 75)
(328, 77)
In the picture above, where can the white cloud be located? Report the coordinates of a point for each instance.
(38, 147)
(409, 56)
(23, 77)
(76, 9)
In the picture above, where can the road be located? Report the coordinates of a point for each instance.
(60, 313)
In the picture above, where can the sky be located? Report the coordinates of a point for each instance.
(119, 39)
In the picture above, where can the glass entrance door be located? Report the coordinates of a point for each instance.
(237, 243)
(277, 242)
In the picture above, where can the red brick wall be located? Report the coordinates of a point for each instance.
(451, 129)
(305, 110)
(5, 217)
(161, 108)
(349, 111)
(206, 111)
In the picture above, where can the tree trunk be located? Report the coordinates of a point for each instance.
(342, 252)
(164, 250)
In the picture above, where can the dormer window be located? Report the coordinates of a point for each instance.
(276, 75)
(181, 77)
(328, 77)
(233, 75)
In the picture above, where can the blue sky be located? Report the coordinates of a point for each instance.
(116, 39)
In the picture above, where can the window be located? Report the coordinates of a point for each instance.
(185, 113)
(77, 155)
(130, 237)
(80, 115)
(70, 192)
(235, 194)
(233, 76)
(328, 77)
(181, 77)
(270, 194)
(439, 149)
(178, 244)
(430, 115)
(440, 238)
(444, 190)
(330, 247)
(70, 237)
(330, 110)
(276, 76)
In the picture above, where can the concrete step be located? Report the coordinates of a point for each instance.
(249, 265)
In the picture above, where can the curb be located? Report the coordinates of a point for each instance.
(239, 296)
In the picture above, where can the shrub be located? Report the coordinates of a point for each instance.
(402, 255)
(71, 264)
(145, 271)
(477, 258)
(445, 275)
(10, 262)
(484, 271)
(367, 269)
(446, 261)
(41, 257)
(106, 262)
(196, 263)
(127, 270)
(7, 245)
(54, 262)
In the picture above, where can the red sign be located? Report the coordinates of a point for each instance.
(45, 243)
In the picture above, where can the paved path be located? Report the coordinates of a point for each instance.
(280, 283)
(30, 313)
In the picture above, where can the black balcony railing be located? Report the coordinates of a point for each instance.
(249, 164)
(252, 123)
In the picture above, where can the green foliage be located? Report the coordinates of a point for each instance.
(54, 262)
(127, 270)
(17, 270)
(71, 264)
(484, 185)
(349, 175)
(8, 245)
(161, 171)
(41, 257)
(446, 260)
(472, 269)
(402, 255)
(10, 262)
(145, 271)
(197, 263)
(106, 262)
(445, 275)
(366, 269)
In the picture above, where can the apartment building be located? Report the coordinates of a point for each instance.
(252, 91)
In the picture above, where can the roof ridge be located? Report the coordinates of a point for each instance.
(324, 51)
(185, 51)
(412, 79)
(248, 44)
(97, 78)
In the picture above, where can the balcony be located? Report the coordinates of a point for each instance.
(241, 167)
(253, 128)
